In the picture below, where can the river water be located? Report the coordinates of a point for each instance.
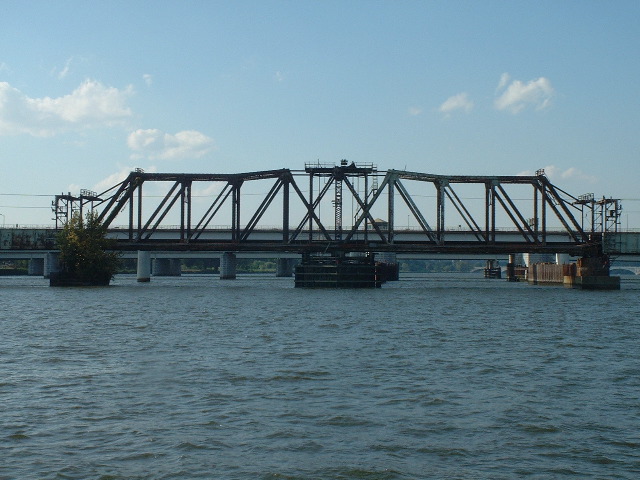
(435, 376)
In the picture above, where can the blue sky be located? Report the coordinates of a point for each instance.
(90, 90)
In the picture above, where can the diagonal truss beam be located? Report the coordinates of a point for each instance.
(178, 202)
(415, 211)
(464, 213)
(211, 212)
(512, 211)
(311, 212)
(365, 211)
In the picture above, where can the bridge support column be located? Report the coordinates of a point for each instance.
(36, 266)
(167, 267)
(144, 266)
(511, 269)
(228, 264)
(284, 267)
(51, 264)
(175, 267)
(388, 266)
(592, 273)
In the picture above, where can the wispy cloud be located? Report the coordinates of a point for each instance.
(457, 102)
(555, 173)
(517, 95)
(504, 81)
(414, 111)
(154, 144)
(148, 79)
(92, 104)
(279, 76)
(115, 178)
(65, 70)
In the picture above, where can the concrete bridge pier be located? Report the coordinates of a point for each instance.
(511, 270)
(228, 263)
(167, 267)
(36, 267)
(284, 267)
(51, 264)
(144, 266)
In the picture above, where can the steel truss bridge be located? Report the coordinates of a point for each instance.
(491, 214)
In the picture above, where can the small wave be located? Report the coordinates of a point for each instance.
(529, 428)
(624, 443)
(191, 446)
(141, 456)
(345, 421)
(285, 434)
(299, 376)
(444, 451)
(602, 460)
(390, 448)
(18, 436)
(351, 473)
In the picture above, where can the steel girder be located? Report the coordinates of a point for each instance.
(547, 201)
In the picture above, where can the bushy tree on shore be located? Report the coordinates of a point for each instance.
(86, 254)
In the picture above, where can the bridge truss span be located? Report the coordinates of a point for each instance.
(344, 207)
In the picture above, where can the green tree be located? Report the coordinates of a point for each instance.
(85, 252)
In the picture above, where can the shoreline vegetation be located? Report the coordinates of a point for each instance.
(87, 256)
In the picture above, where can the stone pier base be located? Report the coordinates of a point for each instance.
(167, 267)
(36, 267)
(284, 267)
(228, 264)
(144, 266)
(593, 283)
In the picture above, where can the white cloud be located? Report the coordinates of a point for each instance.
(518, 95)
(117, 177)
(65, 70)
(148, 79)
(92, 104)
(153, 144)
(279, 76)
(457, 102)
(504, 80)
(414, 111)
(555, 173)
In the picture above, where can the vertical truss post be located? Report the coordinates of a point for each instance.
(185, 210)
(493, 212)
(487, 212)
(534, 223)
(337, 205)
(310, 208)
(440, 219)
(139, 210)
(189, 211)
(544, 215)
(235, 210)
(391, 192)
(131, 213)
(366, 205)
(285, 210)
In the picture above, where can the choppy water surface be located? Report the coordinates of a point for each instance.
(432, 377)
